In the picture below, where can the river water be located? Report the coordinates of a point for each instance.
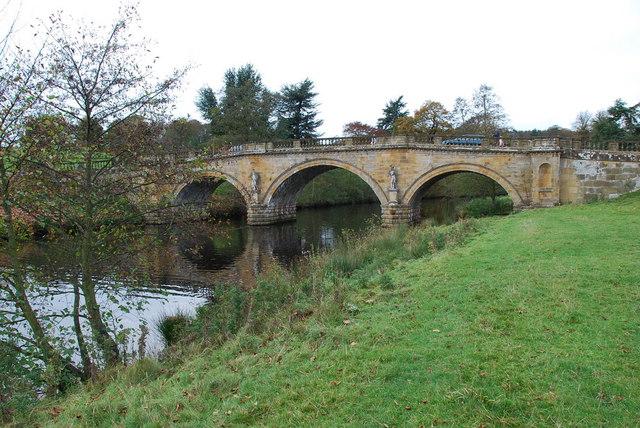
(196, 258)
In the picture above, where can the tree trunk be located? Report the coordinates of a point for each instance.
(87, 365)
(50, 355)
(105, 342)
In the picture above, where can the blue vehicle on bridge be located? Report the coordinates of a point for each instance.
(465, 140)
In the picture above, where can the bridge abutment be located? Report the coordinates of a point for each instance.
(261, 214)
(394, 213)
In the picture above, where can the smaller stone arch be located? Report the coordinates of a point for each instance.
(200, 189)
(413, 193)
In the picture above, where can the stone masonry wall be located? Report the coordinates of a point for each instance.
(594, 175)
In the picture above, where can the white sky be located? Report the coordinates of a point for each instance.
(546, 59)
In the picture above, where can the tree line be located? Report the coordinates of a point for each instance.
(244, 110)
(618, 122)
(482, 114)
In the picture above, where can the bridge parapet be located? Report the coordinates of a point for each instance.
(434, 142)
(609, 145)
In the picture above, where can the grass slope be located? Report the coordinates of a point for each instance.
(534, 322)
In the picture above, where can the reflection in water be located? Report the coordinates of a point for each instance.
(192, 259)
(235, 253)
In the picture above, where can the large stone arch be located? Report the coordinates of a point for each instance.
(206, 183)
(315, 167)
(278, 201)
(413, 193)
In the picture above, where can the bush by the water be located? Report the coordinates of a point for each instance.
(172, 328)
(502, 205)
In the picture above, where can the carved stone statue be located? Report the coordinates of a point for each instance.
(254, 181)
(394, 178)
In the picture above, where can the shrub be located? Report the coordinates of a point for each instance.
(173, 328)
(486, 207)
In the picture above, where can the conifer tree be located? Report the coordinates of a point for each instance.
(394, 110)
(297, 111)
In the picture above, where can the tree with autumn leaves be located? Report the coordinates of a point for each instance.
(483, 114)
(430, 119)
(80, 139)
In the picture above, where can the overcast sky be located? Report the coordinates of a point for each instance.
(547, 60)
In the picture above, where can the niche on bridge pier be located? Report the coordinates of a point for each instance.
(545, 177)
(547, 195)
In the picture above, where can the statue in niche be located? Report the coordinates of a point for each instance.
(254, 181)
(394, 178)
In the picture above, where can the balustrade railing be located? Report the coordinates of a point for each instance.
(281, 144)
(629, 146)
(436, 141)
(610, 146)
(96, 164)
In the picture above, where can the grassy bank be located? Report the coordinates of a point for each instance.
(527, 320)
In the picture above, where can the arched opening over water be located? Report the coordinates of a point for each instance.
(213, 196)
(452, 192)
(309, 181)
(328, 200)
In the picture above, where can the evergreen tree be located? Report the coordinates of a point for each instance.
(246, 107)
(297, 111)
(627, 117)
(394, 110)
(206, 102)
(605, 127)
(207, 105)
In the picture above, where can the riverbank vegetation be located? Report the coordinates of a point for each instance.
(530, 319)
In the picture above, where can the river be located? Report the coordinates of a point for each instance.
(196, 258)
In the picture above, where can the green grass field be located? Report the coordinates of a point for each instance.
(525, 320)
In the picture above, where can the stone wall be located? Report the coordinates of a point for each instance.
(587, 176)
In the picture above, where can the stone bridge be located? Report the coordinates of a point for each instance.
(399, 169)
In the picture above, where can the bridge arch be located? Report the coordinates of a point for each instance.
(284, 190)
(199, 190)
(415, 191)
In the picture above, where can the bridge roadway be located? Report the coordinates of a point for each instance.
(399, 169)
